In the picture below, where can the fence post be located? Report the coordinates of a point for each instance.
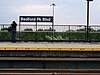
(69, 33)
(3, 34)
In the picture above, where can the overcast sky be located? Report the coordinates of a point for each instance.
(66, 11)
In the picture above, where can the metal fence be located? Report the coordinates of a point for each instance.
(45, 33)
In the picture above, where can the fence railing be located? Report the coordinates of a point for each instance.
(60, 33)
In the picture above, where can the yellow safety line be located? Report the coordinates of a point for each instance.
(44, 48)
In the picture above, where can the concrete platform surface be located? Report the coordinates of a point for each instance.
(59, 44)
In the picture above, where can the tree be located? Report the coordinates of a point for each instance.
(28, 29)
(84, 29)
(4, 29)
(40, 29)
(50, 29)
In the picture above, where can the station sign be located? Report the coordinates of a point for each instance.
(89, 0)
(36, 18)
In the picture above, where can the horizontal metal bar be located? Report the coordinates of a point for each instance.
(49, 59)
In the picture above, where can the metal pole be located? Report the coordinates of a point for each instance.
(87, 21)
(53, 13)
(36, 31)
(19, 30)
(87, 31)
(53, 24)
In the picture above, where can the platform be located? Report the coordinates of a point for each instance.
(46, 55)
(64, 44)
(49, 46)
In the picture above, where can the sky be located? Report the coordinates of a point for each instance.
(66, 11)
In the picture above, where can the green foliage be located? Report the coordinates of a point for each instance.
(83, 29)
(28, 29)
(45, 35)
(4, 29)
(50, 29)
(54, 38)
(48, 37)
(5, 36)
(98, 30)
(40, 29)
(27, 36)
(91, 29)
(59, 37)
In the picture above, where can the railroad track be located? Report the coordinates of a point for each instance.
(23, 71)
(49, 73)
